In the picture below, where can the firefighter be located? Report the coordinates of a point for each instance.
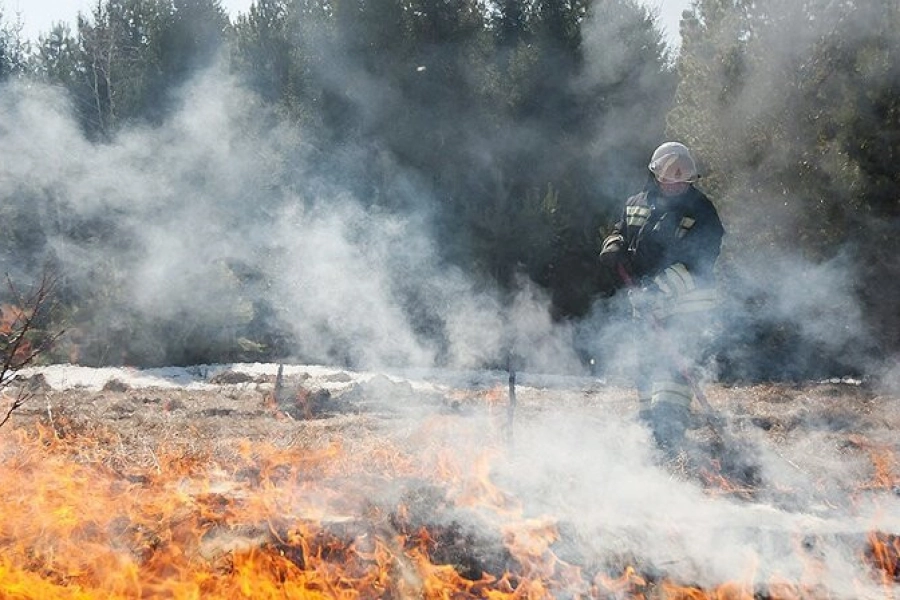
(663, 250)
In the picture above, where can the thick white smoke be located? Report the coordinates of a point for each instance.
(224, 187)
(595, 472)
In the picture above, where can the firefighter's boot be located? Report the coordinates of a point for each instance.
(669, 423)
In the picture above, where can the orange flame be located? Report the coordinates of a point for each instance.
(257, 520)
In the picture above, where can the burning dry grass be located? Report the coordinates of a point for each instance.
(175, 494)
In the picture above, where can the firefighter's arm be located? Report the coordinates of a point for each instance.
(612, 249)
(687, 285)
(680, 293)
(612, 254)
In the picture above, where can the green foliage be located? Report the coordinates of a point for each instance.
(14, 49)
(794, 107)
(510, 23)
(194, 34)
(780, 100)
(262, 50)
(128, 56)
(56, 58)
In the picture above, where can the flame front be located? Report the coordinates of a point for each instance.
(260, 521)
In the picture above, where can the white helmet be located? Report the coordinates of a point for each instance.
(672, 163)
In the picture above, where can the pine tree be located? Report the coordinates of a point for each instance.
(14, 48)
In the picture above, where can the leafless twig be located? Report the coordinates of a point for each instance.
(21, 340)
(16, 404)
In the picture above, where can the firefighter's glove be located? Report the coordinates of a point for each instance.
(610, 259)
(612, 252)
(612, 255)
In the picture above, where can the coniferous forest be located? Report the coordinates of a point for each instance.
(427, 182)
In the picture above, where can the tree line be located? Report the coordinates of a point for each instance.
(529, 122)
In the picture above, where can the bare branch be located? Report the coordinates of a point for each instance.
(16, 405)
(21, 338)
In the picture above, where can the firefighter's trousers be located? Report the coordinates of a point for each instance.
(668, 353)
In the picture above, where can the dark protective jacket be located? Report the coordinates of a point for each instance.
(656, 232)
